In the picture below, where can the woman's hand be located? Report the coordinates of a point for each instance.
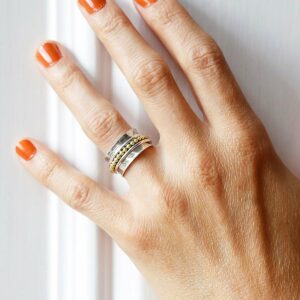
(211, 213)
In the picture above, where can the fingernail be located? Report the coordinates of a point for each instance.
(145, 3)
(48, 54)
(26, 149)
(92, 6)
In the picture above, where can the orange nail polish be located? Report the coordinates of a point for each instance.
(48, 54)
(92, 6)
(145, 3)
(26, 149)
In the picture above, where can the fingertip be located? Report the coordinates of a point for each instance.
(91, 6)
(48, 54)
(145, 3)
(26, 149)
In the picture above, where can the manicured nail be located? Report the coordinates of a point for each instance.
(91, 6)
(48, 54)
(145, 3)
(25, 149)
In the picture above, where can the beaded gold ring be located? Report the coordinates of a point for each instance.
(126, 150)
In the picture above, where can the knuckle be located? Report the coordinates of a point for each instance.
(49, 167)
(69, 75)
(113, 24)
(251, 141)
(152, 77)
(250, 147)
(208, 172)
(138, 236)
(246, 148)
(101, 125)
(176, 205)
(205, 58)
(141, 238)
(170, 17)
(79, 196)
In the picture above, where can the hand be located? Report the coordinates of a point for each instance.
(211, 213)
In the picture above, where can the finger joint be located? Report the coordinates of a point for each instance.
(49, 167)
(171, 17)
(206, 59)
(209, 175)
(102, 125)
(152, 77)
(79, 196)
(113, 24)
(69, 75)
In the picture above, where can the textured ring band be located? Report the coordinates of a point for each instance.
(126, 150)
(130, 158)
(123, 140)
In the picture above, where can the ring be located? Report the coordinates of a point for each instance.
(127, 148)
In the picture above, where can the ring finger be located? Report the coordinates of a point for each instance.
(144, 68)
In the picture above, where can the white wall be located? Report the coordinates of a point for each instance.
(46, 250)
(23, 214)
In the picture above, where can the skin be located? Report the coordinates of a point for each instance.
(222, 223)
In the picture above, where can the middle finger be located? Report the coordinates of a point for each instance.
(144, 68)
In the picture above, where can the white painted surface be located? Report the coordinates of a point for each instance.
(46, 250)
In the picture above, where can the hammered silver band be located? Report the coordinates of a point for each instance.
(129, 158)
(126, 150)
(120, 143)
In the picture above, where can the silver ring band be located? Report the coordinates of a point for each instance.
(129, 157)
(123, 140)
(127, 148)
